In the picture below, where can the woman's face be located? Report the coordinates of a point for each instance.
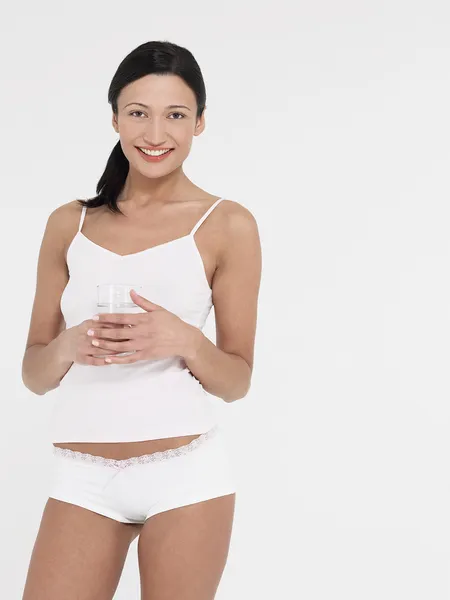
(157, 111)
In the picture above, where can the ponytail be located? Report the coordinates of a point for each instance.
(111, 182)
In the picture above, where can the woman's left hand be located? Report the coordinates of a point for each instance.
(153, 335)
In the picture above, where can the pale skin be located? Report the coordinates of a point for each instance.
(79, 554)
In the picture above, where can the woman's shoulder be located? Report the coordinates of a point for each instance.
(239, 219)
(234, 227)
(62, 223)
(232, 211)
(66, 214)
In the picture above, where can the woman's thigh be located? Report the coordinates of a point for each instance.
(78, 554)
(183, 551)
(183, 546)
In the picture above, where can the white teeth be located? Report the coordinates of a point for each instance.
(154, 152)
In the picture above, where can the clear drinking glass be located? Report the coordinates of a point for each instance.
(115, 298)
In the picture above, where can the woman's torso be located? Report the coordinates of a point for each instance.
(134, 235)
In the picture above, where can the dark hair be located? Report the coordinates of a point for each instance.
(163, 58)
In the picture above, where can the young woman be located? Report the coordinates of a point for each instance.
(137, 448)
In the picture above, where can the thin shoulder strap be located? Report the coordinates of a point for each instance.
(83, 214)
(210, 209)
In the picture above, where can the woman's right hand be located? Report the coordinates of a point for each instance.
(76, 344)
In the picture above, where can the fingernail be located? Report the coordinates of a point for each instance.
(95, 318)
(90, 332)
(108, 360)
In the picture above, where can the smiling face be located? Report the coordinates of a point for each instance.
(157, 111)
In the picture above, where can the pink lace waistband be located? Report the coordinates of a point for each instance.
(134, 460)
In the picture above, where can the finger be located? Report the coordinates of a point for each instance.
(100, 352)
(91, 350)
(144, 303)
(118, 318)
(124, 360)
(91, 324)
(97, 325)
(116, 346)
(105, 327)
(98, 362)
(109, 334)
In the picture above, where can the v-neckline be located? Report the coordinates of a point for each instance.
(122, 256)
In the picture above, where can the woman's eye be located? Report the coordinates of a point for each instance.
(136, 111)
(181, 115)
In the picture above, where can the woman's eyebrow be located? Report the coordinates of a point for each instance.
(170, 105)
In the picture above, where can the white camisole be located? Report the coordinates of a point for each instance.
(148, 399)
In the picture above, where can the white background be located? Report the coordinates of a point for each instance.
(330, 122)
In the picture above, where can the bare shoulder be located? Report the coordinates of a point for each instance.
(66, 216)
(239, 228)
(237, 214)
(63, 222)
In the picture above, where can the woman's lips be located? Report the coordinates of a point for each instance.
(149, 158)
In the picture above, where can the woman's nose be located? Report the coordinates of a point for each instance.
(155, 134)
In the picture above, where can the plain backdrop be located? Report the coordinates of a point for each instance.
(330, 122)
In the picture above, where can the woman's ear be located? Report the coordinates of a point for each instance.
(201, 124)
(115, 124)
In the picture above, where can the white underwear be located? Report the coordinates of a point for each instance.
(133, 489)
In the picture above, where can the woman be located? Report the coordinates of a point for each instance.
(137, 448)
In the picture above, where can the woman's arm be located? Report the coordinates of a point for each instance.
(225, 369)
(43, 364)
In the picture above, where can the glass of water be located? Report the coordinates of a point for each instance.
(115, 298)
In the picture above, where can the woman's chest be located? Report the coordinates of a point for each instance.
(172, 276)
